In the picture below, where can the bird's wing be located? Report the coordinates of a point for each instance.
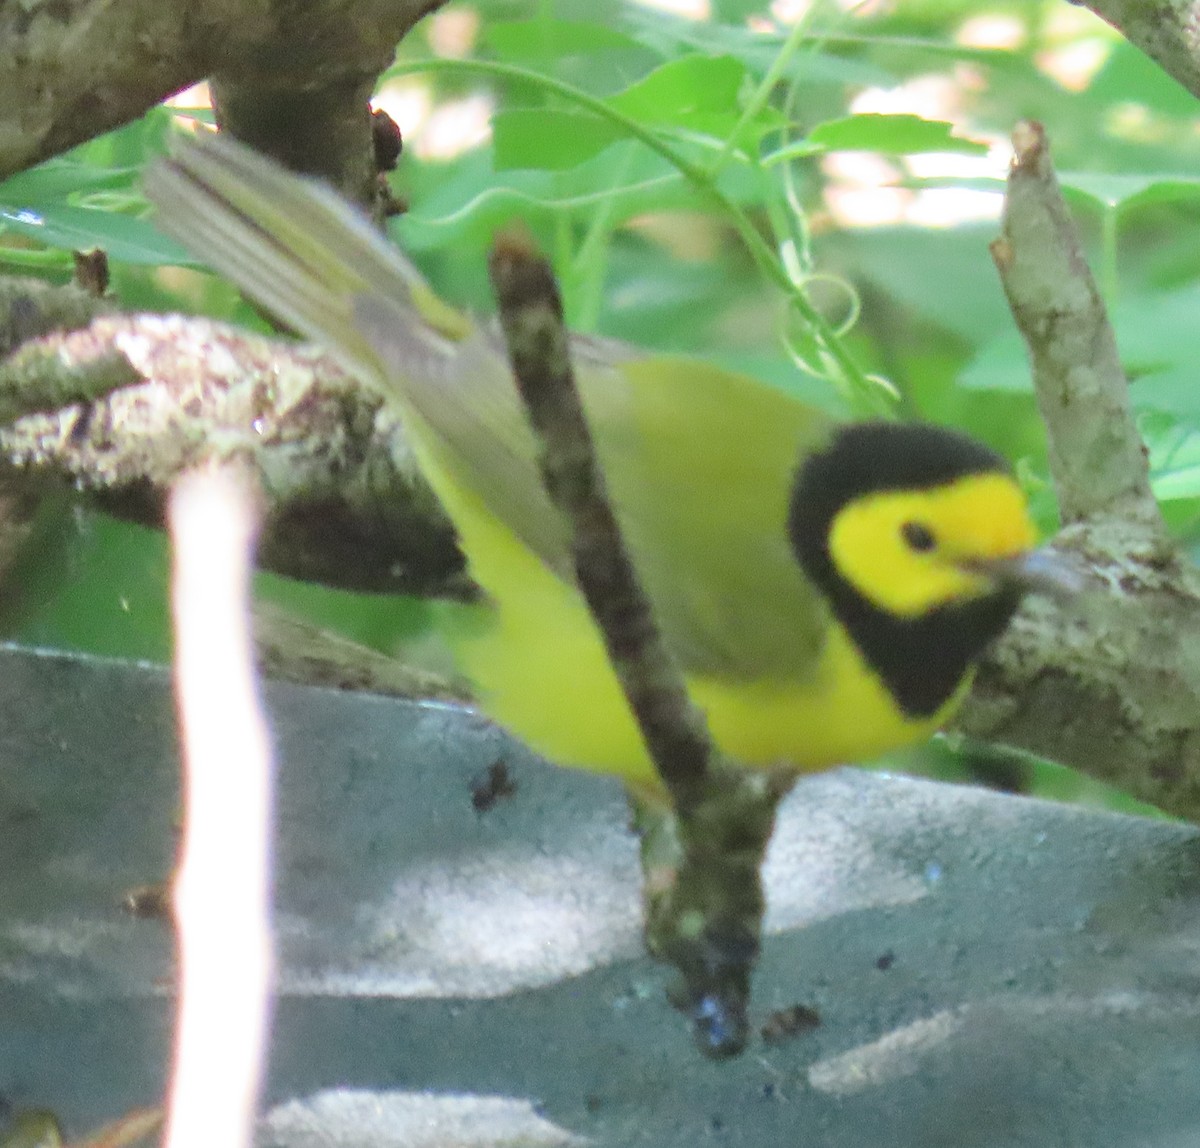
(699, 464)
(699, 461)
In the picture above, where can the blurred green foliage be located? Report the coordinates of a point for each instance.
(694, 182)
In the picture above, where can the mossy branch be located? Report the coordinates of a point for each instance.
(122, 405)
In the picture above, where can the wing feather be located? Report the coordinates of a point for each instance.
(698, 460)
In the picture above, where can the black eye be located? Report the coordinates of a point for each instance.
(918, 536)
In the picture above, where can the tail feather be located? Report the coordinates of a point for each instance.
(479, 437)
(311, 259)
(290, 243)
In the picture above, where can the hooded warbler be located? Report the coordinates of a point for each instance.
(827, 588)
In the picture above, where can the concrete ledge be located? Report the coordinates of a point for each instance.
(988, 970)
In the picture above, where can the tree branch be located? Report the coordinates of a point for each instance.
(293, 79)
(301, 94)
(1096, 455)
(31, 307)
(347, 504)
(1166, 30)
(1110, 685)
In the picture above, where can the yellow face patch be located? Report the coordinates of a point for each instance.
(909, 552)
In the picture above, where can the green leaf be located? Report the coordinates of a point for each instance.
(682, 89)
(1174, 458)
(1002, 364)
(1156, 340)
(550, 139)
(696, 95)
(526, 41)
(1126, 191)
(1165, 189)
(56, 179)
(123, 237)
(892, 135)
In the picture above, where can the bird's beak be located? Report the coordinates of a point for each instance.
(1042, 571)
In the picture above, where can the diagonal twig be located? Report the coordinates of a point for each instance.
(704, 889)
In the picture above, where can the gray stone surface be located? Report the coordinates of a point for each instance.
(988, 970)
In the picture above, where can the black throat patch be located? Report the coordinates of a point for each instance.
(920, 660)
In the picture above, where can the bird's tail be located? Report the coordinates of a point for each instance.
(310, 258)
(297, 248)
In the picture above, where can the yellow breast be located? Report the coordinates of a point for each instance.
(541, 670)
(844, 714)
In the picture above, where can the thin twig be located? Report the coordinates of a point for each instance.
(531, 313)
(704, 889)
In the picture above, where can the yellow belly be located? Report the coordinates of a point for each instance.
(541, 671)
(842, 715)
